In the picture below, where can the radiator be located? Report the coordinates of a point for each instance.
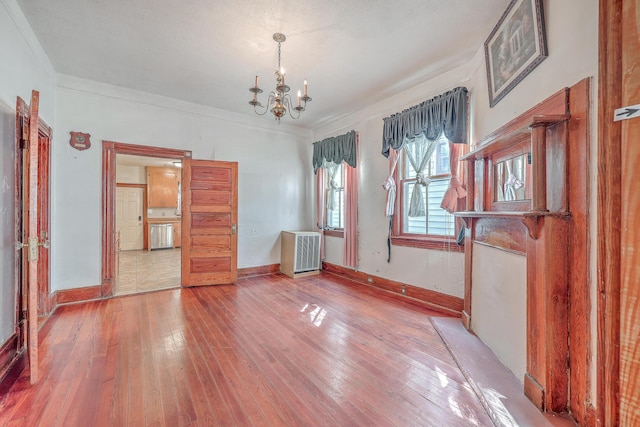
(300, 253)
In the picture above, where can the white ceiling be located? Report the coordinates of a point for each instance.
(353, 52)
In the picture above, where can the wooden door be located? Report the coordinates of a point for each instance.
(129, 217)
(618, 393)
(630, 254)
(209, 222)
(32, 228)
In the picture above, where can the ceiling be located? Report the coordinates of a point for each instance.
(353, 52)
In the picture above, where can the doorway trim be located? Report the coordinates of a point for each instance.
(45, 298)
(109, 151)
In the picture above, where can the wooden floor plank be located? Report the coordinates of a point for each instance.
(269, 351)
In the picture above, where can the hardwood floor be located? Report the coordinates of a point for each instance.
(268, 351)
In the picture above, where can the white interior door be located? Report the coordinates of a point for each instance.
(129, 217)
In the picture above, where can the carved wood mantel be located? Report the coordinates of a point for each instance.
(546, 223)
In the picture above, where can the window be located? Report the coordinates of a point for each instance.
(335, 195)
(425, 218)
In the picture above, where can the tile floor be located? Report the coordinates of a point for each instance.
(143, 270)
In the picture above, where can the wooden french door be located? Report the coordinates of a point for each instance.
(209, 223)
(32, 224)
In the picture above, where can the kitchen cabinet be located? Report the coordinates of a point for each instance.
(162, 187)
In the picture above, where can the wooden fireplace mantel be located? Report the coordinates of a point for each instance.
(531, 220)
(548, 226)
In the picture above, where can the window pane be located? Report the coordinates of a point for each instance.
(441, 222)
(437, 221)
(335, 216)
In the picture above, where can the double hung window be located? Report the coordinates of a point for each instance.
(423, 175)
(334, 184)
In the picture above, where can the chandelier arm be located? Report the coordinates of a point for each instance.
(289, 104)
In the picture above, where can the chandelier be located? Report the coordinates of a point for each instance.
(279, 101)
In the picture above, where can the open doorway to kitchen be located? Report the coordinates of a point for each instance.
(148, 223)
(142, 218)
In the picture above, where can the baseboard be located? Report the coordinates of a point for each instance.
(439, 301)
(8, 354)
(258, 271)
(534, 391)
(66, 296)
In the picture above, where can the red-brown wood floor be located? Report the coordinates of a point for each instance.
(269, 351)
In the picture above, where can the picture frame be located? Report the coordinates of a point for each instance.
(515, 47)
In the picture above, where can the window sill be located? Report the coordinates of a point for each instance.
(334, 233)
(434, 243)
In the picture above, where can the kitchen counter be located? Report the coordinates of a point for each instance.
(164, 220)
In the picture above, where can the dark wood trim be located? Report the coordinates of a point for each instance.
(109, 151)
(610, 36)
(66, 296)
(443, 244)
(580, 333)
(258, 271)
(8, 354)
(438, 301)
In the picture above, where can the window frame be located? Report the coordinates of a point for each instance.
(334, 231)
(424, 241)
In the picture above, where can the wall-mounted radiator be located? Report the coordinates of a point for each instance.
(300, 255)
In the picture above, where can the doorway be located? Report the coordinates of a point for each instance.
(148, 223)
(124, 168)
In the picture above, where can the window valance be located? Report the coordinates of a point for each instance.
(335, 149)
(445, 113)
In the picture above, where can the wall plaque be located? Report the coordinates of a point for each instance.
(80, 141)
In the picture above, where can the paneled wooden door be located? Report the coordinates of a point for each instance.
(209, 222)
(32, 224)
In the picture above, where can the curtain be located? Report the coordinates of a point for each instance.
(350, 217)
(320, 208)
(332, 169)
(445, 113)
(456, 191)
(419, 153)
(335, 149)
(390, 184)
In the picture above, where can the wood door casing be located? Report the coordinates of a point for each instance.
(210, 217)
(109, 151)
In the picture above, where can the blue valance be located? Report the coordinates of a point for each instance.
(335, 149)
(445, 113)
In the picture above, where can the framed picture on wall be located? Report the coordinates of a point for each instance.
(515, 47)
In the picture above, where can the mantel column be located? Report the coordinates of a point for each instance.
(539, 160)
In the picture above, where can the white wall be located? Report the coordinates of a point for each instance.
(499, 313)
(441, 271)
(127, 174)
(23, 67)
(274, 166)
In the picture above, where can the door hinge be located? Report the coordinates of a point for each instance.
(33, 247)
(233, 229)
